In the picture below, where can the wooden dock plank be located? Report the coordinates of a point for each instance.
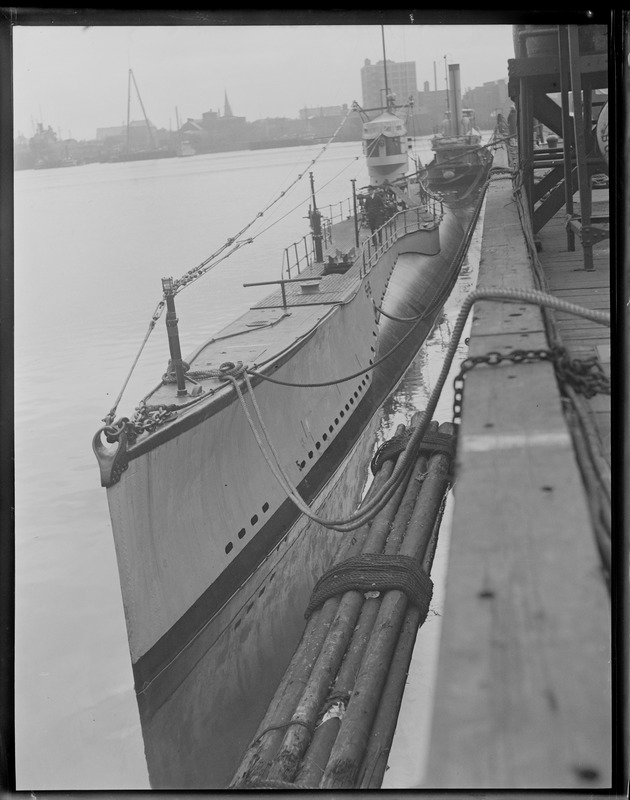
(523, 690)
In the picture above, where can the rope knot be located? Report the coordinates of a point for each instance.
(170, 376)
(375, 572)
(229, 370)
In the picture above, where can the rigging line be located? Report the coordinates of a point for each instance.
(156, 315)
(206, 269)
(509, 295)
(306, 200)
(437, 302)
(407, 458)
(369, 368)
(282, 477)
(231, 240)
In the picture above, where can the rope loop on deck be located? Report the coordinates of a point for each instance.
(375, 572)
(226, 371)
(431, 443)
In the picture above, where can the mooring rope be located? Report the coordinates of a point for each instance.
(408, 457)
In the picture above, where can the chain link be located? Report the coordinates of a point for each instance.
(586, 375)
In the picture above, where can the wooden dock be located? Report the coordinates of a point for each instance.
(523, 696)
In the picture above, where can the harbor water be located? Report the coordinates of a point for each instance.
(91, 245)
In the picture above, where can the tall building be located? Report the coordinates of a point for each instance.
(487, 101)
(401, 80)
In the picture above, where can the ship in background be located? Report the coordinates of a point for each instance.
(460, 157)
(134, 149)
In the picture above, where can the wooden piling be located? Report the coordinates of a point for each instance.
(318, 752)
(260, 754)
(350, 745)
(325, 669)
(322, 713)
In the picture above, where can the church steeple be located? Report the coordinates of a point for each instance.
(227, 110)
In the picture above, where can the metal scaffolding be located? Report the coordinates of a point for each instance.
(570, 61)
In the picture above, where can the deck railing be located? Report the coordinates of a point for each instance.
(298, 256)
(401, 224)
(301, 255)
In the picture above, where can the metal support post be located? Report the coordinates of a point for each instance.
(356, 217)
(173, 335)
(316, 224)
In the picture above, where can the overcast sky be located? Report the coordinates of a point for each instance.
(75, 78)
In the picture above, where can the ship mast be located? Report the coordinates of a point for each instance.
(385, 68)
(448, 104)
(132, 77)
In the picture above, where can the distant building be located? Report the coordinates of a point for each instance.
(487, 101)
(323, 111)
(216, 132)
(401, 81)
(139, 136)
(322, 122)
(429, 110)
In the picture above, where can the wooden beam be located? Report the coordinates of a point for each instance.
(523, 689)
(594, 65)
(552, 204)
(548, 181)
(550, 114)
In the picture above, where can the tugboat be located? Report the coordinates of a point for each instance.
(460, 157)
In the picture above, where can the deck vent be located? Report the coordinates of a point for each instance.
(310, 287)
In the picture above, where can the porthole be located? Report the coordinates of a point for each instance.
(356, 394)
(352, 401)
(254, 519)
(317, 445)
(228, 547)
(336, 420)
(325, 436)
(310, 454)
(265, 507)
(241, 533)
(347, 407)
(342, 413)
(330, 429)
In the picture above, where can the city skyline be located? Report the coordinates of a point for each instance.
(75, 78)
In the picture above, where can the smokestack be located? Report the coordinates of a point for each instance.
(434, 77)
(456, 98)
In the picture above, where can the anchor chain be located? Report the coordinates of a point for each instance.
(586, 375)
(147, 418)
